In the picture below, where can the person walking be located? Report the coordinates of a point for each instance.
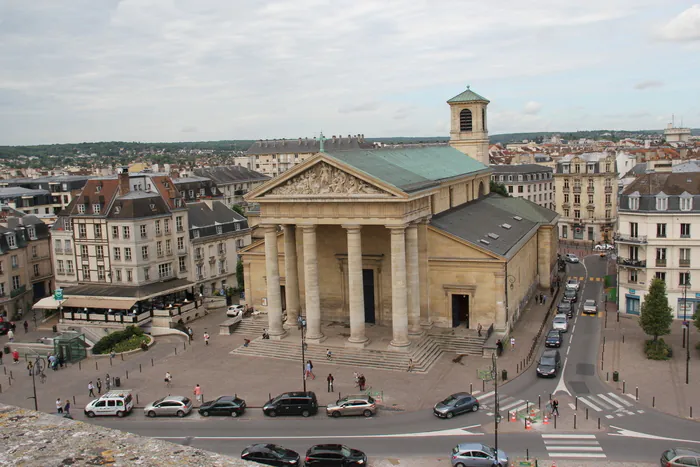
(91, 389)
(330, 380)
(15, 356)
(59, 405)
(11, 335)
(168, 379)
(206, 338)
(99, 386)
(198, 393)
(310, 370)
(190, 333)
(555, 407)
(410, 365)
(363, 381)
(329, 354)
(512, 344)
(26, 326)
(66, 408)
(108, 383)
(478, 329)
(499, 347)
(30, 367)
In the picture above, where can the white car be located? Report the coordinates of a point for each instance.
(573, 284)
(561, 323)
(571, 258)
(590, 307)
(235, 311)
(604, 247)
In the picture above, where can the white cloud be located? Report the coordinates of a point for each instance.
(532, 108)
(649, 84)
(684, 27)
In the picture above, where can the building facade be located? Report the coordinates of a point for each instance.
(468, 125)
(233, 181)
(586, 197)
(195, 188)
(659, 237)
(62, 189)
(530, 181)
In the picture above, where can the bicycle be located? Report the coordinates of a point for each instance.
(39, 366)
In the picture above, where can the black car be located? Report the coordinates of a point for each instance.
(549, 364)
(553, 339)
(566, 308)
(225, 405)
(334, 454)
(292, 403)
(456, 404)
(570, 295)
(5, 328)
(270, 454)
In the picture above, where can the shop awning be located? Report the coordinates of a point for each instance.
(48, 303)
(113, 303)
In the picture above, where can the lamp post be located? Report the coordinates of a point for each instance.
(685, 327)
(687, 330)
(35, 369)
(302, 326)
(496, 414)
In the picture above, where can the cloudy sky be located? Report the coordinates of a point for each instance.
(183, 70)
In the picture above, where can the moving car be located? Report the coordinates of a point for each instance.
(573, 284)
(477, 454)
(334, 454)
(292, 403)
(680, 457)
(570, 295)
(565, 308)
(603, 247)
(571, 258)
(169, 406)
(235, 311)
(549, 363)
(553, 339)
(590, 307)
(353, 405)
(456, 404)
(117, 403)
(5, 328)
(224, 405)
(270, 454)
(560, 323)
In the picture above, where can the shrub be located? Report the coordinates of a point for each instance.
(110, 341)
(133, 343)
(657, 350)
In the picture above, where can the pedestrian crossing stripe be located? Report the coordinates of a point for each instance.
(594, 279)
(572, 446)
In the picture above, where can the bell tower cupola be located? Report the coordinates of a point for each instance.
(468, 125)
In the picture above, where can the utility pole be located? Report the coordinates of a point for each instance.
(686, 325)
(496, 414)
(33, 372)
(302, 325)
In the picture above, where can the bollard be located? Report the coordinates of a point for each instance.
(0, 388)
(691, 411)
(574, 421)
(269, 396)
(603, 343)
(184, 345)
(11, 375)
(4, 369)
(618, 316)
(576, 401)
(483, 385)
(96, 368)
(586, 413)
(636, 393)
(607, 376)
(73, 400)
(471, 389)
(9, 380)
(122, 355)
(539, 402)
(555, 422)
(127, 374)
(175, 350)
(653, 401)
(80, 366)
(599, 423)
(623, 387)
(139, 368)
(110, 361)
(527, 454)
(151, 362)
(137, 399)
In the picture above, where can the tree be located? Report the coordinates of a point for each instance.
(656, 317)
(499, 188)
(239, 275)
(239, 209)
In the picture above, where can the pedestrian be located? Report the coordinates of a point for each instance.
(512, 344)
(410, 365)
(108, 383)
(499, 347)
(112, 354)
(555, 407)
(478, 329)
(66, 408)
(91, 390)
(59, 405)
(13, 326)
(330, 380)
(246, 342)
(52, 362)
(61, 360)
(11, 335)
(190, 333)
(30, 367)
(1, 357)
(310, 369)
(15, 356)
(551, 290)
(363, 381)
(544, 299)
(357, 379)
(198, 393)
(168, 379)
(26, 326)
(329, 354)
(206, 338)
(99, 386)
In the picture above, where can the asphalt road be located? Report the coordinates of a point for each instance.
(634, 433)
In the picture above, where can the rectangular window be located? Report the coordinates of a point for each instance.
(178, 223)
(238, 226)
(36, 270)
(69, 266)
(118, 274)
(577, 214)
(129, 275)
(15, 262)
(566, 213)
(566, 197)
(157, 227)
(590, 199)
(144, 252)
(115, 231)
(84, 251)
(168, 247)
(31, 232)
(82, 231)
(165, 270)
(61, 268)
(661, 230)
(127, 254)
(633, 203)
(183, 264)
(86, 272)
(686, 203)
(126, 232)
(684, 258)
(117, 253)
(159, 248)
(633, 276)
(634, 229)
(98, 230)
(577, 199)
(608, 198)
(166, 226)
(81, 209)
(147, 274)
(57, 246)
(661, 257)
(99, 252)
(16, 282)
(684, 279)
(661, 275)
(180, 243)
(222, 248)
(144, 231)
(96, 208)
(661, 204)
(520, 188)
(100, 273)
(34, 251)
(685, 230)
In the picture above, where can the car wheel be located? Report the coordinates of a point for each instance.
(367, 413)
(234, 414)
(205, 414)
(120, 414)
(305, 413)
(459, 464)
(90, 414)
(180, 413)
(272, 413)
(336, 414)
(475, 407)
(151, 414)
(449, 415)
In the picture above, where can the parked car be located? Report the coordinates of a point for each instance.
(477, 454)
(565, 308)
(4, 328)
(603, 247)
(549, 363)
(292, 403)
(270, 454)
(571, 258)
(116, 402)
(235, 311)
(560, 323)
(570, 295)
(225, 405)
(169, 406)
(334, 454)
(353, 405)
(680, 457)
(456, 404)
(590, 307)
(573, 283)
(553, 339)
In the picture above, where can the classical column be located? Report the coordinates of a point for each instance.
(544, 255)
(313, 298)
(413, 282)
(399, 305)
(274, 294)
(425, 319)
(356, 291)
(291, 273)
(500, 295)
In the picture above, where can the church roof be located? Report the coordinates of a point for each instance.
(522, 208)
(467, 96)
(411, 168)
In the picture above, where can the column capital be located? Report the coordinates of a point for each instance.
(269, 227)
(308, 227)
(500, 274)
(352, 227)
(397, 229)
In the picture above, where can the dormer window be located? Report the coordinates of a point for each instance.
(202, 191)
(178, 202)
(195, 233)
(591, 168)
(117, 209)
(565, 168)
(98, 188)
(633, 202)
(219, 230)
(31, 232)
(11, 240)
(686, 201)
(166, 184)
(81, 209)
(661, 202)
(153, 207)
(520, 178)
(96, 208)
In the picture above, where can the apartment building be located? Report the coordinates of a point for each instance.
(233, 181)
(659, 236)
(194, 188)
(529, 181)
(61, 188)
(27, 200)
(25, 262)
(586, 196)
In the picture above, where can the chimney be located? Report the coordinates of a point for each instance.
(123, 183)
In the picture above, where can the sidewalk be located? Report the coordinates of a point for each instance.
(661, 383)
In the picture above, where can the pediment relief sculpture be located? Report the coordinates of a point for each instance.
(324, 179)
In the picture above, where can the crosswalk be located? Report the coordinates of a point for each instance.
(610, 402)
(590, 279)
(572, 446)
(506, 403)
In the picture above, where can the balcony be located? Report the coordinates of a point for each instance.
(684, 263)
(565, 189)
(608, 189)
(590, 207)
(182, 251)
(590, 189)
(18, 291)
(638, 239)
(565, 205)
(634, 263)
(577, 189)
(159, 233)
(58, 251)
(660, 263)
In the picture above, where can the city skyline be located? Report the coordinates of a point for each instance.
(159, 71)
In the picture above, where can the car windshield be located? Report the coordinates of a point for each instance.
(589, 303)
(345, 451)
(488, 450)
(159, 401)
(560, 320)
(547, 361)
(553, 335)
(572, 282)
(450, 400)
(280, 451)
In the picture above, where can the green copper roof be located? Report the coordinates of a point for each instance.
(410, 169)
(523, 208)
(467, 96)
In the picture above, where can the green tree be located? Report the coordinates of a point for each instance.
(656, 317)
(499, 188)
(239, 275)
(239, 209)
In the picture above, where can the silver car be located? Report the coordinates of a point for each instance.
(477, 455)
(561, 323)
(353, 405)
(169, 406)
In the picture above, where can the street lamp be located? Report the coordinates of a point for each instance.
(687, 330)
(301, 322)
(685, 326)
(496, 414)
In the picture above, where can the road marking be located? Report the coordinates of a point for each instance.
(488, 395)
(618, 398)
(609, 416)
(577, 455)
(640, 411)
(510, 406)
(631, 396)
(567, 349)
(566, 442)
(572, 406)
(599, 402)
(573, 446)
(564, 436)
(636, 434)
(590, 404)
(613, 403)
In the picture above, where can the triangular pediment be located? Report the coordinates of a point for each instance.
(324, 177)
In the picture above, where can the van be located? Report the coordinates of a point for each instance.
(112, 403)
(292, 403)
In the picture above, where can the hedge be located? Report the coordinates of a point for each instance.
(109, 342)
(657, 350)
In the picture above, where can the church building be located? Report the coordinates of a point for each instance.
(404, 239)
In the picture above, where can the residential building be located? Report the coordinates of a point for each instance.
(586, 196)
(61, 187)
(233, 181)
(25, 262)
(194, 188)
(27, 200)
(674, 134)
(530, 181)
(659, 236)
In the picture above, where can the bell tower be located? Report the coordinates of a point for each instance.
(468, 129)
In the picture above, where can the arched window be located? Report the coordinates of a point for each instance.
(483, 118)
(465, 120)
(481, 189)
